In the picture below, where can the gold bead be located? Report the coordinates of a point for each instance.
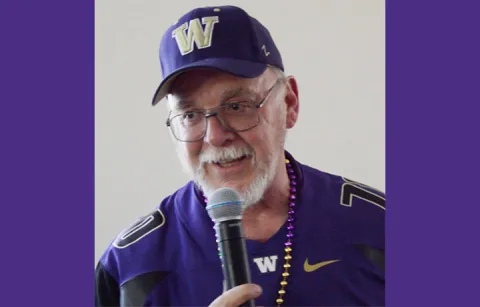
(285, 274)
(286, 265)
(281, 292)
(279, 301)
(288, 257)
(287, 161)
(284, 283)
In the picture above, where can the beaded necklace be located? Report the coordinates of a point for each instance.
(290, 228)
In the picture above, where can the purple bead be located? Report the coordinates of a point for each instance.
(290, 212)
(290, 219)
(293, 183)
(293, 190)
(290, 227)
(289, 165)
(288, 243)
(290, 171)
(292, 197)
(293, 176)
(289, 235)
(292, 204)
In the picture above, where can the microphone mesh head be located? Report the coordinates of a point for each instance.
(225, 204)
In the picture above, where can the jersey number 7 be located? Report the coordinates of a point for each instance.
(351, 189)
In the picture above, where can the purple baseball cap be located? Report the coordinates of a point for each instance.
(223, 38)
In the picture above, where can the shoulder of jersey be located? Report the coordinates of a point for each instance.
(343, 192)
(152, 234)
(354, 210)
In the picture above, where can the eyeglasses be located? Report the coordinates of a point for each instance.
(191, 126)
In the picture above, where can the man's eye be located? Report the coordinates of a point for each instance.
(235, 106)
(189, 115)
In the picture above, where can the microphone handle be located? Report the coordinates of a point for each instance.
(233, 253)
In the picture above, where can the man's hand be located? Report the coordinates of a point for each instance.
(237, 296)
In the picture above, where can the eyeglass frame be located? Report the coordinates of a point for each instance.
(214, 112)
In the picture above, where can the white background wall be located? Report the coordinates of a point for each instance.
(335, 48)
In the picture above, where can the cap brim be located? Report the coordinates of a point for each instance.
(239, 68)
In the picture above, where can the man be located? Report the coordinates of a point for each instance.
(313, 239)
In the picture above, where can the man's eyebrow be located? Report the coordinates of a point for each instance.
(186, 103)
(239, 91)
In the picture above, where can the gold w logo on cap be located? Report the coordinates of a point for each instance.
(192, 32)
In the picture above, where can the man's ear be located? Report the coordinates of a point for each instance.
(292, 101)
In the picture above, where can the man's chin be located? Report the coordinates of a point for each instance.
(251, 187)
(209, 183)
(250, 192)
(208, 189)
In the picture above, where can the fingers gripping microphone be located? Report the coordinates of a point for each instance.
(225, 208)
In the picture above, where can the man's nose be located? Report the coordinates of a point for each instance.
(217, 134)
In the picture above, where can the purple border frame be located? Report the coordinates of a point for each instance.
(47, 150)
(432, 52)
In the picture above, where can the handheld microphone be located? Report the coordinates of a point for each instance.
(225, 208)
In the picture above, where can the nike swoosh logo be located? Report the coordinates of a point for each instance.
(312, 267)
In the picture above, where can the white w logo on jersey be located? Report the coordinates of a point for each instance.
(195, 34)
(266, 263)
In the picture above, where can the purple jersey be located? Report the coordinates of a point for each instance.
(170, 257)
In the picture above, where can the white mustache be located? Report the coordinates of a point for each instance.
(212, 155)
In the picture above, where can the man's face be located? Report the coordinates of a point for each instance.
(245, 161)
